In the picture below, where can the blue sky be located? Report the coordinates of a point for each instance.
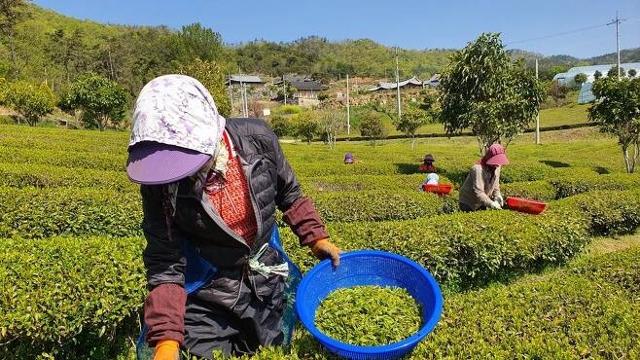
(407, 23)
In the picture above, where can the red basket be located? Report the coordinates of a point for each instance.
(440, 189)
(526, 205)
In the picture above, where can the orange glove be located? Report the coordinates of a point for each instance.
(323, 249)
(167, 350)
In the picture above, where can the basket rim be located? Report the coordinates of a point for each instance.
(403, 345)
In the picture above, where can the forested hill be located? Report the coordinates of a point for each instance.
(57, 48)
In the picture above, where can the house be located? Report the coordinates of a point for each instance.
(410, 83)
(244, 79)
(306, 92)
(433, 82)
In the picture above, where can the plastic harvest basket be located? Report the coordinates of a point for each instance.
(526, 205)
(440, 189)
(368, 267)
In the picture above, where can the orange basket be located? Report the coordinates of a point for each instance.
(440, 189)
(526, 205)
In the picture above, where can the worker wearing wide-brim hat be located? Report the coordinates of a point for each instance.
(481, 188)
(213, 186)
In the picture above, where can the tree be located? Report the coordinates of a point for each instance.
(329, 124)
(617, 111)
(632, 73)
(613, 72)
(31, 101)
(579, 79)
(11, 13)
(101, 101)
(212, 76)
(482, 89)
(281, 126)
(372, 126)
(597, 75)
(412, 118)
(306, 127)
(68, 51)
(200, 42)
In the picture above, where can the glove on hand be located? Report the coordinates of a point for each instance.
(167, 350)
(323, 249)
(495, 205)
(500, 200)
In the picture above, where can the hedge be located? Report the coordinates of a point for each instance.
(538, 190)
(381, 205)
(67, 295)
(357, 183)
(463, 249)
(47, 176)
(87, 160)
(604, 212)
(556, 317)
(574, 184)
(620, 268)
(33, 213)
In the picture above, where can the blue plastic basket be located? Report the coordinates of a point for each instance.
(368, 267)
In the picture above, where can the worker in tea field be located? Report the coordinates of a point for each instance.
(210, 189)
(481, 188)
(427, 164)
(430, 179)
(348, 158)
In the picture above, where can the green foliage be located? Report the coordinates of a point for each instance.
(306, 126)
(580, 78)
(537, 190)
(67, 296)
(632, 73)
(369, 315)
(465, 249)
(483, 90)
(212, 76)
(372, 127)
(570, 185)
(613, 72)
(554, 317)
(102, 101)
(412, 118)
(36, 214)
(31, 101)
(281, 126)
(358, 183)
(618, 268)
(617, 112)
(381, 205)
(597, 75)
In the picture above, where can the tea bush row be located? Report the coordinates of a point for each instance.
(64, 293)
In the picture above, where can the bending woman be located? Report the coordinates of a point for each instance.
(213, 185)
(481, 188)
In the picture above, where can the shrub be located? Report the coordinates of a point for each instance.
(355, 183)
(31, 101)
(538, 190)
(45, 176)
(464, 249)
(604, 212)
(380, 205)
(569, 185)
(620, 268)
(86, 160)
(66, 296)
(555, 317)
(35, 214)
(102, 101)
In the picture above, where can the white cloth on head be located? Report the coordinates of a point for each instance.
(432, 179)
(177, 110)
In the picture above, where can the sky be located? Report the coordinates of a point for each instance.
(411, 24)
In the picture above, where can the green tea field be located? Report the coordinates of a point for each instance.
(561, 285)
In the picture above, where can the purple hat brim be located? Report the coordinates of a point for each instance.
(152, 163)
(498, 160)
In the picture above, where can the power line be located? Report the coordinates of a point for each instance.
(558, 34)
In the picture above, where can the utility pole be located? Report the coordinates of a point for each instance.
(348, 112)
(617, 21)
(398, 85)
(284, 89)
(538, 115)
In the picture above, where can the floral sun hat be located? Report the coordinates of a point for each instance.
(176, 130)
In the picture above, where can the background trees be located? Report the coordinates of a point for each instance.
(617, 112)
(484, 90)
